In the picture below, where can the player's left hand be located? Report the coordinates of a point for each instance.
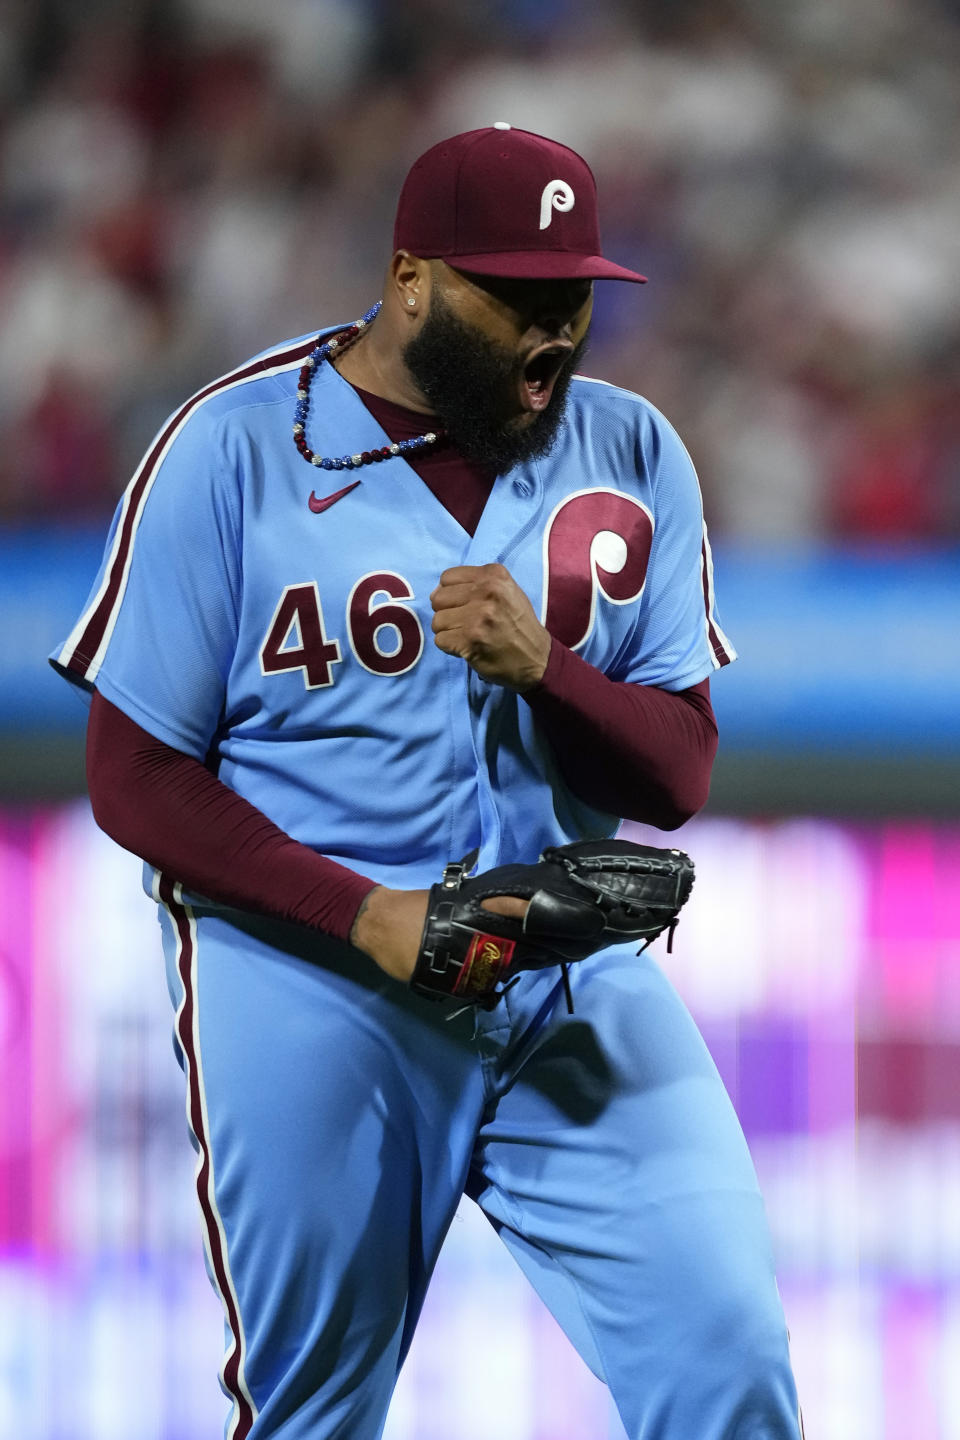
(577, 899)
(482, 615)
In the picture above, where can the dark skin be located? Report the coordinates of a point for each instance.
(480, 613)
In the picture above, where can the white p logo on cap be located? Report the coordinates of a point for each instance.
(557, 195)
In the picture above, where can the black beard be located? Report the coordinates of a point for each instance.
(472, 385)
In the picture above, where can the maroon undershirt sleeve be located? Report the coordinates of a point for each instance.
(171, 811)
(635, 750)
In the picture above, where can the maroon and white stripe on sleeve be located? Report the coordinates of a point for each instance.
(84, 649)
(721, 650)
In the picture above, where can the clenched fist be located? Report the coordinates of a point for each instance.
(482, 615)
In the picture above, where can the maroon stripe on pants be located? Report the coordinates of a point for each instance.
(231, 1369)
(89, 643)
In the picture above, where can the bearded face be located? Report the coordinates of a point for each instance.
(500, 406)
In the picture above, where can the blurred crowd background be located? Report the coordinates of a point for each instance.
(185, 182)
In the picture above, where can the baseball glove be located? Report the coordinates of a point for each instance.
(582, 897)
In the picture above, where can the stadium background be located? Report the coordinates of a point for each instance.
(183, 184)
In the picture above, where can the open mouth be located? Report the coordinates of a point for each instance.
(540, 375)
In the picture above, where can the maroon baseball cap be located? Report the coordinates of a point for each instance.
(500, 201)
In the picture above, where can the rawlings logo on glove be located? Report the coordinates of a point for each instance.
(582, 897)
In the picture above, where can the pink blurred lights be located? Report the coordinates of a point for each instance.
(822, 963)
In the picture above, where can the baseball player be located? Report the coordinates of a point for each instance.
(378, 600)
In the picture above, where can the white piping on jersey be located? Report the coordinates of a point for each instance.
(706, 555)
(207, 392)
(715, 636)
(712, 624)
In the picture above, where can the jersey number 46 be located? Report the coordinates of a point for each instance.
(383, 632)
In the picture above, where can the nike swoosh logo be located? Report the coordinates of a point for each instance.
(318, 506)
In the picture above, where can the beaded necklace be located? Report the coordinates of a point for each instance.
(323, 351)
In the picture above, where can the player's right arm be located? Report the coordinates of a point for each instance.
(153, 649)
(170, 810)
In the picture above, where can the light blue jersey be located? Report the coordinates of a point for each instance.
(278, 615)
(275, 616)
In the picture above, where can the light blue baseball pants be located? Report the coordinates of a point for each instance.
(338, 1120)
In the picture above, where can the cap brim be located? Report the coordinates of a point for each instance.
(543, 265)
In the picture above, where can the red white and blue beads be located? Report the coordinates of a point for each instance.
(335, 346)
